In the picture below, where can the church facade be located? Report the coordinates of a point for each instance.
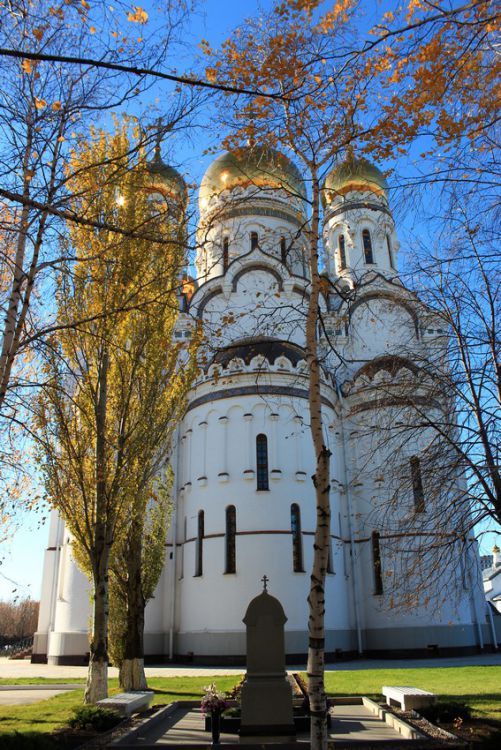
(244, 504)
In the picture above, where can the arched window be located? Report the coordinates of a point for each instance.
(367, 242)
(262, 462)
(283, 250)
(417, 485)
(376, 563)
(297, 542)
(254, 240)
(231, 530)
(342, 252)
(199, 561)
(390, 251)
(226, 253)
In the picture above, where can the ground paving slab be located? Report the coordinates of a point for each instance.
(185, 726)
(14, 669)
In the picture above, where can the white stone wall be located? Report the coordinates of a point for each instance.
(238, 397)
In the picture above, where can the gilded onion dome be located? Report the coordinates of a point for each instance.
(253, 165)
(166, 180)
(354, 175)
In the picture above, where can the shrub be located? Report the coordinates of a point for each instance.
(446, 712)
(94, 718)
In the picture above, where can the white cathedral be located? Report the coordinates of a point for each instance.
(244, 503)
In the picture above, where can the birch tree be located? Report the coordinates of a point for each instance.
(114, 388)
(344, 94)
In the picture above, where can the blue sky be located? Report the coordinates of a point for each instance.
(22, 556)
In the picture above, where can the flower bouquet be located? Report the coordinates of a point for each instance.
(214, 703)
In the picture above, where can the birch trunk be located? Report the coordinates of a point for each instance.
(97, 677)
(321, 480)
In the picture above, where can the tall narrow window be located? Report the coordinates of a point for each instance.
(376, 563)
(199, 562)
(254, 240)
(283, 250)
(303, 262)
(390, 251)
(262, 462)
(367, 242)
(231, 530)
(342, 252)
(226, 253)
(417, 485)
(297, 542)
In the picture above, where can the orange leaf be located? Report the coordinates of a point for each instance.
(56, 106)
(40, 103)
(139, 16)
(38, 33)
(27, 66)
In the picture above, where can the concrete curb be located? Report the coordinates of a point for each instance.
(399, 725)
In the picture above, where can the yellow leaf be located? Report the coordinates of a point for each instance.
(27, 66)
(92, 29)
(40, 103)
(56, 106)
(139, 15)
(85, 4)
(61, 139)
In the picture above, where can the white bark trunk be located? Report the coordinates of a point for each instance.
(97, 681)
(321, 479)
(132, 676)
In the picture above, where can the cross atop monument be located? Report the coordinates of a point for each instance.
(265, 581)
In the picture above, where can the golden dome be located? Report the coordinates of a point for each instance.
(353, 174)
(166, 180)
(252, 165)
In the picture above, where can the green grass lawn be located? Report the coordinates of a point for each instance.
(53, 713)
(480, 687)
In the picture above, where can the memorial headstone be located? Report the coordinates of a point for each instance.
(266, 693)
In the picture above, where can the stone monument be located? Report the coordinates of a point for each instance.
(266, 692)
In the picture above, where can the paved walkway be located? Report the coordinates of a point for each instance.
(187, 727)
(13, 669)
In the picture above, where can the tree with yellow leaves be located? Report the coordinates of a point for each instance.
(114, 387)
(45, 107)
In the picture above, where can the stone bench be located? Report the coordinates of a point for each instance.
(126, 704)
(407, 697)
